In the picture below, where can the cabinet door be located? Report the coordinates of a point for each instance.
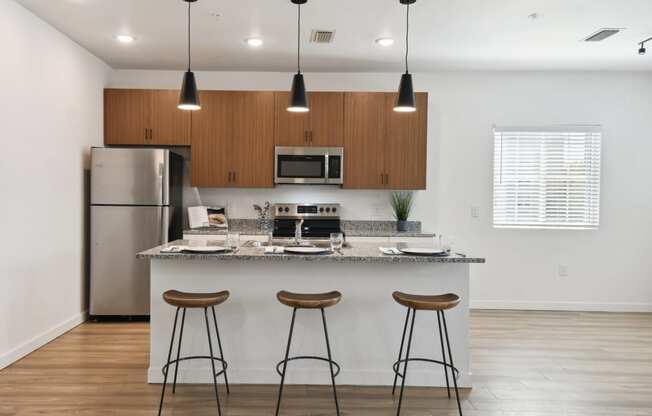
(364, 133)
(212, 129)
(291, 128)
(168, 125)
(406, 145)
(326, 119)
(253, 139)
(124, 116)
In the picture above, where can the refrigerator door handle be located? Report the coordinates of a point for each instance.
(164, 173)
(165, 224)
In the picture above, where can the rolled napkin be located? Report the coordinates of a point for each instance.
(390, 251)
(274, 250)
(173, 249)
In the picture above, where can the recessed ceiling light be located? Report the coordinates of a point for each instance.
(254, 42)
(534, 16)
(385, 41)
(124, 38)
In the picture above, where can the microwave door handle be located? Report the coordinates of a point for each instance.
(326, 169)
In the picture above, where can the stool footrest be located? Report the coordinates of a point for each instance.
(307, 357)
(456, 372)
(164, 369)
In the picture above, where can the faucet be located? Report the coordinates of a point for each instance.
(297, 230)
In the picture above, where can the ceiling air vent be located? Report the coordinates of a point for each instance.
(322, 36)
(602, 34)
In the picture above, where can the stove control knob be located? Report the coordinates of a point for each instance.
(334, 210)
(287, 209)
(328, 210)
(321, 209)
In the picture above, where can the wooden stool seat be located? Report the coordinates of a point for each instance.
(309, 300)
(195, 300)
(427, 302)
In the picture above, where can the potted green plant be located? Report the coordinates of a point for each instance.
(402, 205)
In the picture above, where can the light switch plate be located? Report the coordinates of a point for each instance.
(475, 212)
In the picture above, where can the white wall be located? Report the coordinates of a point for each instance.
(51, 93)
(609, 269)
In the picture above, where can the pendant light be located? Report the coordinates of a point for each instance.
(298, 98)
(189, 97)
(406, 101)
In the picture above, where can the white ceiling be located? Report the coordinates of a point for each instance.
(446, 34)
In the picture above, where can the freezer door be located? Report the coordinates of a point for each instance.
(129, 176)
(120, 281)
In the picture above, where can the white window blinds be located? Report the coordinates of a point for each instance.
(547, 177)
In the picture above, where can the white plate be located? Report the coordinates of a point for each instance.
(418, 251)
(206, 249)
(307, 250)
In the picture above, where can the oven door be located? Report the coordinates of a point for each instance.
(300, 165)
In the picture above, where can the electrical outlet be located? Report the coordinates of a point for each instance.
(475, 212)
(562, 270)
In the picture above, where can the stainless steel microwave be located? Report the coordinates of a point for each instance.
(309, 165)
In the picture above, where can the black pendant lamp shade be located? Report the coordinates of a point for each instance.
(189, 97)
(406, 101)
(298, 97)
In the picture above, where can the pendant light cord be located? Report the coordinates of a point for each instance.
(407, 37)
(189, 66)
(299, 38)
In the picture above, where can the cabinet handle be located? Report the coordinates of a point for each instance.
(151, 134)
(145, 134)
(305, 136)
(234, 177)
(310, 136)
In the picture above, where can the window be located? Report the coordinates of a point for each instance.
(547, 177)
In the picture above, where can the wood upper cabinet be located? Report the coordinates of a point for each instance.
(253, 139)
(384, 149)
(406, 145)
(322, 126)
(364, 137)
(212, 133)
(168, 124)
(233, 140)
(144, 117)
(124, 116)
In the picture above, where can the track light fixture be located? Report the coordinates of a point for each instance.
(189, 97)
(298, 97)
(406, 101)
(642, 50)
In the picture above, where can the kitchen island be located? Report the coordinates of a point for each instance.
(365, 327)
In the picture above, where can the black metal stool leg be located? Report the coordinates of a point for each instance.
(165, 378)
(443, 354)
(400, 351)
(210, 349)
(285, 363)
(450, 355)
(407, 357)
(219, 344)
(176, 365)
(330, 362)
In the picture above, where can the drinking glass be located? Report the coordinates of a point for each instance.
(233, 241)
(337, 241)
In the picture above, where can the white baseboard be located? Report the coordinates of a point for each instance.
(40, 340)
(562, 306)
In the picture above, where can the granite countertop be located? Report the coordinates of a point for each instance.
(352, 228)
(357, 253)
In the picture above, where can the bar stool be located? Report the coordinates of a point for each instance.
(438, 303)
(308, 301)
(183, 301)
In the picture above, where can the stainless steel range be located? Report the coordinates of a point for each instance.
(306, 221)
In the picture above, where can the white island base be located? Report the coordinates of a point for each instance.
(365, 328)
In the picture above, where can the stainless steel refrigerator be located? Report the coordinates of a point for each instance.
(136, 204)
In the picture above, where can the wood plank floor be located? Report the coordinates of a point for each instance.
(524, 363)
